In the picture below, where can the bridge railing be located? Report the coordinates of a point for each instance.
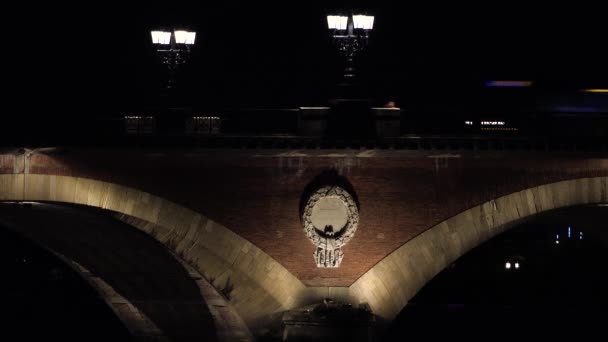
(311, 128)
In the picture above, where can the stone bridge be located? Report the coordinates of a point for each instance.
(224, 241)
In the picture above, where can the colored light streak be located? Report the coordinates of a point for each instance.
(577, 109)
(595, 90)
(515, 84)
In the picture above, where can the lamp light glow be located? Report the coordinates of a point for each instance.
(161, 37)
(337, 22)
(351, 35)
(508, 265)
(185, 37)
(365, 22)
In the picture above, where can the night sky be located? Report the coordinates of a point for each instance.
(273, 55)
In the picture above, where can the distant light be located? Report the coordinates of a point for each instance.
(469, 123)
(568, 232)
(137, 117)
(516, 265)
(508, 265)
(492, 123)
(206, 117)
(161, 37)
(365, 22)
(580, 235)
(337, 22)
(509, 83)
(595, 90)
(185, 37)
(557, 242)
(557, 236)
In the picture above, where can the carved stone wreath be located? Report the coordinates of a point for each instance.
(326, 207)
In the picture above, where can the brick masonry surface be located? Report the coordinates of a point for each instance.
(257, 193)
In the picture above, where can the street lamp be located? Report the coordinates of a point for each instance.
(351, 35)
(174, 49)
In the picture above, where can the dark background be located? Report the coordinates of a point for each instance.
(557, 293)
(97, 58)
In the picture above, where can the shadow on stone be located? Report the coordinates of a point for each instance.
(329, 177)
(326, 321)
(227, 289)
(136, 266)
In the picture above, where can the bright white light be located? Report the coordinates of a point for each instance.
(557, 242)
(568, 232)
(137, 117)
(185, 37)
(337, 22)
(468, 123)
(508, 265)
(205, 117)
(365, 22)
(516, 265)
(161, 37)
(492, 123)
(580, 235)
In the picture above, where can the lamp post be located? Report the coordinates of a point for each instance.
(174, 49)
(351, 35)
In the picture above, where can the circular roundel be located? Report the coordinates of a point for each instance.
(330, 213)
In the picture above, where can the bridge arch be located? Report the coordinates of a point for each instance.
(390, 284)
(260, 286)
(151, 291)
